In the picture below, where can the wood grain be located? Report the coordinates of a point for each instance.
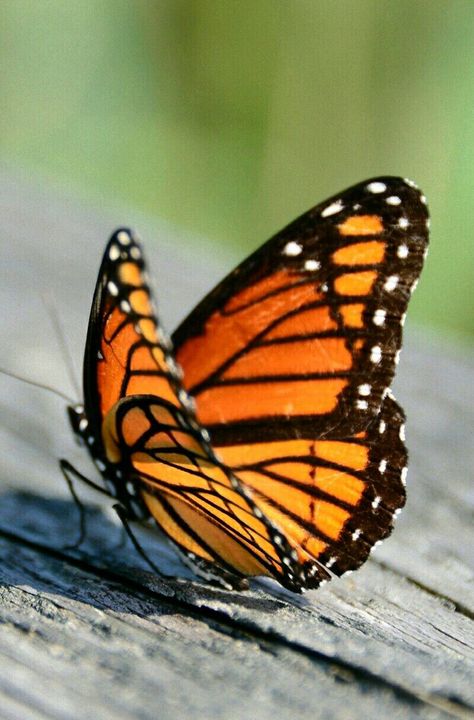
(91, 632)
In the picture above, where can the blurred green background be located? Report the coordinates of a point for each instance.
(231, 117)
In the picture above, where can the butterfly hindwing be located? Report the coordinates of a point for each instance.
(196, 500)
(333, 498)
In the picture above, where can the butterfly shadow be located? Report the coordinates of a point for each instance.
(37, 536)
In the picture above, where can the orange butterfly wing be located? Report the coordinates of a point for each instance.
(302, 337)
(202, 507)
(333, 498)
(290, 359)
(127, 352)
(144, 437)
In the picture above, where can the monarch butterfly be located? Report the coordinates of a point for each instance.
(268, 442)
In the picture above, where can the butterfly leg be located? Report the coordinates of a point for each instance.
(69, 470)
(122, 513)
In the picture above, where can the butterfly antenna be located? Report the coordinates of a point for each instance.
(52, 311)
(38, 385)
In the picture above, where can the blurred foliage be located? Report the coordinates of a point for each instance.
(231, 118)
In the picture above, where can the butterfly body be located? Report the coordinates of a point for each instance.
(268, 442)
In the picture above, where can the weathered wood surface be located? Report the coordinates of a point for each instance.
(92, 633)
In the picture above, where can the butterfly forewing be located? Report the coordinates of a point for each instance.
(303, 336)
(126, 351)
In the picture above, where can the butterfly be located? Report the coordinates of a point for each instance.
(263, 438)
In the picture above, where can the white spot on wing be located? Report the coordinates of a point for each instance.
(362, 404)
(401, 432)
(403, 475)
(163, 338)
(114, 252)
(376, 502)
(393, 200)
(391, 283)
(376, 187)
(356, 534)
(124, 238)
(382, 466)
(364, 389)
(376, 354)
(332, 209)
(382, 427)
(125, 306)
(83, 424)
(403, 223)
(379, 317)
(292, 249)
(135, 252)
(186, 400)
(112, 288)
(402, 251)
(312, 265)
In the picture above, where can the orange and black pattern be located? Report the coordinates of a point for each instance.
(292, 462)
(127, 353)
(333, 498)
(196, 500)
(305, 333)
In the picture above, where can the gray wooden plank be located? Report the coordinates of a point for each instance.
(107, 637)
(106, 647)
